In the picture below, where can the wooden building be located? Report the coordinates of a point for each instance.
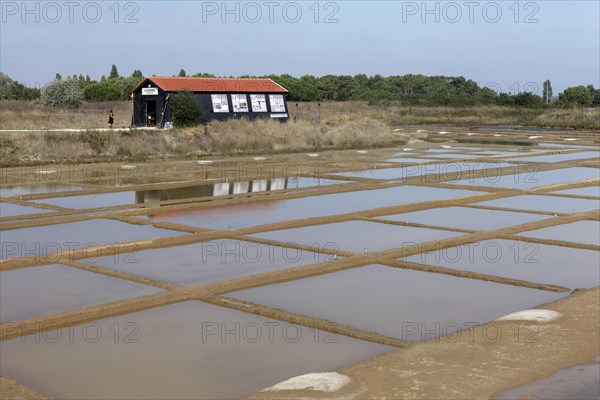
(219, 98)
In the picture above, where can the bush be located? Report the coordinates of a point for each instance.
(62, 94)
(102, 91)
(186, 110)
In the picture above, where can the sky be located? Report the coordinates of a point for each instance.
(510, 46)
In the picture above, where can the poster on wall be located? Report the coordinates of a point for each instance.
(239, 103)
(259, 102)
(277, 103)
(219, 102)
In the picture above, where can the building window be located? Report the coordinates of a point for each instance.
(239, 103)
(220, 103)
(277, 103)
(259, 102)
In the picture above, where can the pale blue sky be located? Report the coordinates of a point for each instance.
(374, 37)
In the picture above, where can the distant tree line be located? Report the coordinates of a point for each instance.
(410, 90)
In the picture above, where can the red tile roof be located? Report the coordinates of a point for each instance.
(229, 85)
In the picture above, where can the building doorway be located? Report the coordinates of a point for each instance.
(150, 113)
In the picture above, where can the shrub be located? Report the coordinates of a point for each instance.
(186, 110)
(102, 91)
(62, 94)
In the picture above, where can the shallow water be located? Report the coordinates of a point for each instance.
(563, 266)
(581, 382)
(91, 200)
(356, 236)
(209, 190)
(457, 156)
(408, 160)
(466, 218)
(190, 350)
(226, 188)
(410, 305)
(533, 178)
(32, 292)
(49, 239)
(267, 212)
(12, 210)
(559, 157)
(15, 190)
(584, 191)
(544, 203)
(448, 171)
(587, 232)
(212, 261)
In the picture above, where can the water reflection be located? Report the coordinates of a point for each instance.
(230, 188)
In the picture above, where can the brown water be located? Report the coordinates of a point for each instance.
(356, 236)
(190, 350)
(31, 292)
(212, 261)
(466, 218)
(569, 267)
(409, 305)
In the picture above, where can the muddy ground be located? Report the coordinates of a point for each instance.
(465, 368)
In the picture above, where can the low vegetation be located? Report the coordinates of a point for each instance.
(312, 127)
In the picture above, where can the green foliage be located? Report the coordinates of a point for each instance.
(204, 75)
(186, 110)
(62, 94)
(58, 77)
(182, 73)
(577, 96)
(102, 91)
(13, 90)
(115, 89)
(113, 72)
(528, 99)
(137, 74)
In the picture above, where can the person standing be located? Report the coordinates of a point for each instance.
(111, 119)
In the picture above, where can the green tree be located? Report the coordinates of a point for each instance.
(577, 96)
(102, 91)
(58, 77)
(137, 74)
(13, 90)
(547, 95)
(528, 99)
(62, 94)
(113, 72)
(186, 110)
(182, 73)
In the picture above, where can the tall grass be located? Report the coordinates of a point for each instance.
(32, 115)
(231, 137)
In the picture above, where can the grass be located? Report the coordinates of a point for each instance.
(232, 137)
(340, 125)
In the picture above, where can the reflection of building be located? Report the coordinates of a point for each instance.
(219, 98)
(217, 189)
